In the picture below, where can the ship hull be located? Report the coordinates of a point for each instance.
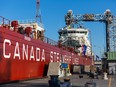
(22, 57)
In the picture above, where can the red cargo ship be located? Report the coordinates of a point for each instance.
(25, 52)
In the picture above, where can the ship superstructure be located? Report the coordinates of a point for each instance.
(76, 37)
(37, 29)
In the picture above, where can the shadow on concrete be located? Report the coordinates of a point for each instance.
(77, 86)
(26, 85)
(46, 85)
(39, 85)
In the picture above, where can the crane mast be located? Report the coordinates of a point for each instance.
(38, 13)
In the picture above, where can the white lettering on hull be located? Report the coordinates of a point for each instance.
(57, 57)
(17, 52)
(34, 54)
(6, 41)
(43, 55)
(25, 52)
(37, 54)
(51, 56)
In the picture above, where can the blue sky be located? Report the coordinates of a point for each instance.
(53, 12)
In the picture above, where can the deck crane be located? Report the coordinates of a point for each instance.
(38, 13)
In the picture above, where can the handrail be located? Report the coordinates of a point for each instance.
(4, 21)
(50, 41)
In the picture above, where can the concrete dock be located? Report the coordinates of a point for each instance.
(74, 79)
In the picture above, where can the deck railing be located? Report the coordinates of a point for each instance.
(50, 41)
(4, 21)
(30, 22)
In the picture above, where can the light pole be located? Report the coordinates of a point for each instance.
(91, 47)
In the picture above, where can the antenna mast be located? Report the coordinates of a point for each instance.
(38, 13)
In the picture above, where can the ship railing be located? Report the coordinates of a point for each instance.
(54, 43)
(26, 21)
(4, 21)
(50, 41)
(30, 21)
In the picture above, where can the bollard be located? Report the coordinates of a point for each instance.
(66, 83)
(91, 84)
(80, 76)
(66, 80)
(54, 81)
(105, 76)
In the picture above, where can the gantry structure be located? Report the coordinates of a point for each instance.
(108, 18)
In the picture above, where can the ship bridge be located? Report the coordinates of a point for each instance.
(76, 38)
